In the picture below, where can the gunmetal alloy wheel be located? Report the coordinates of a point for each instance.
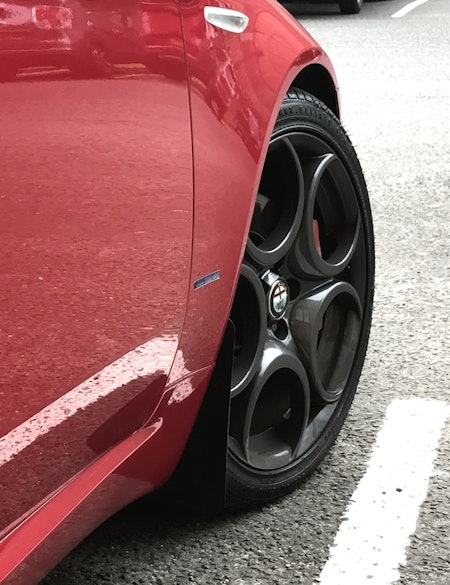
(302, 307)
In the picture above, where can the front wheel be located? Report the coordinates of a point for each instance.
(350, 6)
(303, 305)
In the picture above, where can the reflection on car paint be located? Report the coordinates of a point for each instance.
(90, 39)
(135, 366)
(94, 224)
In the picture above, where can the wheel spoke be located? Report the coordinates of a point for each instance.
(248, 315)
(331, 208)
(269, 417)
(279, 205)
(325, 326)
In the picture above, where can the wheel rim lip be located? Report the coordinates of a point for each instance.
(252, 279)
(271, 256)
(279, 361)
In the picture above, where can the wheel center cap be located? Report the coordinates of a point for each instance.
(278, 298)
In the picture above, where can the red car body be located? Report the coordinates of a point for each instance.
(125, 200)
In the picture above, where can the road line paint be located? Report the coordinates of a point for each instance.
(138, 363)
(372, 540)
(408, 8)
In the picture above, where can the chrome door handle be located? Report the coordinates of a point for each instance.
(230, 20)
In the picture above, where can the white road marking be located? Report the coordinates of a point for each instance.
(372, 540)
(408, 8)
(140, 362)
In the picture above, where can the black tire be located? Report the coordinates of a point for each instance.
(350, 6)
(298, 356)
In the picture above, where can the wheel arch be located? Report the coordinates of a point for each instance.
(316, 80)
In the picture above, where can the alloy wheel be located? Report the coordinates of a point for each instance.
(301, 307)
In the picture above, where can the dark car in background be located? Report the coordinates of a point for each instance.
(345, 6)
(350, 6)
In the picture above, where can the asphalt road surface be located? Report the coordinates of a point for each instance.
(395, 88)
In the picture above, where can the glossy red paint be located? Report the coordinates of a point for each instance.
(111, 112)
(135, 466)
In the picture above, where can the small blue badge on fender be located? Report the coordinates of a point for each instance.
(207, 279)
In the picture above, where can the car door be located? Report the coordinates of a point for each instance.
(96, 228)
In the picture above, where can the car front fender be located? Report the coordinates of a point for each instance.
(237, 83)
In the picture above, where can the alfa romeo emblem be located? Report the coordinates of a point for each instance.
(278, 298)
